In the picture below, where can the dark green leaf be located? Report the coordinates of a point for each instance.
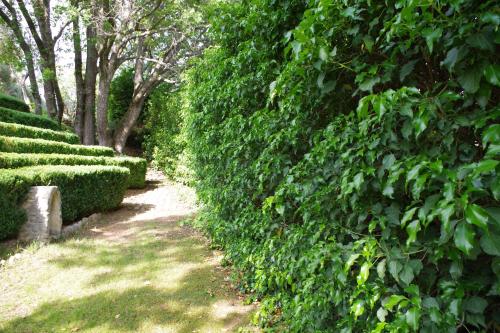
(464, 237)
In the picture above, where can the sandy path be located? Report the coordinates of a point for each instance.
(136, 270)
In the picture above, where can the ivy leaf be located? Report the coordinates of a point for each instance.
(492, 74)
(470, 79)
(485, 166)
(381, 269)
(364, 273)
(490, 243)
(412, 229)
(451, 59)
(413, 317)
(407, 69)
(407, 275)
(475, 305)
(431, 36)
(464, 237)
(491, 135)
(381, 314)
(495, 266)
(476, 215)
(394, 268)
(368, 40)
(493, 151)
(358, 308)
(358, 180)
(408, 215)
(367, 85)
(323, 54)
(392, 301)
(388, 190)
(481, 41)
(420, 125)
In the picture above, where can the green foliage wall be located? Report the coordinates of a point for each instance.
(120, 96)
(347, 153)
(164, 143)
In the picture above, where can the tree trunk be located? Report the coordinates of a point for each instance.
(80, 84)
(15, 26)
(50, 97)
(35, 93)
(90, 83)
(127, 123)
(45, 43)
(102, 108)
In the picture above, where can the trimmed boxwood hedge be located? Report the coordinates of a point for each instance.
(84, 190)
(24, 145)
(29, 119)
(137, 166)
(17, 130)
(13, 103)
(12, 192)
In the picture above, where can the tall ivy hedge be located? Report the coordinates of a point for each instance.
(347, 153)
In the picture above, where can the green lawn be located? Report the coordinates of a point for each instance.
(150, 276)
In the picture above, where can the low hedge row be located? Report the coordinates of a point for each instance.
(137, 166)
(13, 103)
(12, 192)
(17, 130)
(84, 190)
(24, 145)
(29, 119)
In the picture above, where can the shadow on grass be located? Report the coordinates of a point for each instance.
(124, 311)
(163, 276)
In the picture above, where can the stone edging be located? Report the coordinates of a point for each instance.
(72, 228)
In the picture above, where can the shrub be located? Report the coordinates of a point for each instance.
(12, 192)
(13, 103)
(24, 145)
(28, 119)
(120, 96)
(164, 142)
(136, 166)
(10, 129)
(84, 189)
(347, 156)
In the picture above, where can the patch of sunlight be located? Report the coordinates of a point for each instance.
(158, 278)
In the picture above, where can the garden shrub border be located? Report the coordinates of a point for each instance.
(137, 166)
(84, 190)
(348, 156)
(30, 132)
(25, 145)
(13, 103)
(28, 119)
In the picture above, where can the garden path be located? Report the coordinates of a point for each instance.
(138, 269)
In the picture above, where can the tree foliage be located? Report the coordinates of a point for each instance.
(347, 155)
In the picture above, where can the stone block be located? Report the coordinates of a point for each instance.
(43, 207)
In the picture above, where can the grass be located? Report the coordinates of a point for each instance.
(151, 277)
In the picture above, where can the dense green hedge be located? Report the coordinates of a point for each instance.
(28, 119)
(136, 166)
(347, 153)
(13, 103)
(84, 190)
(24, 145)
(10, 129)
(12, 193)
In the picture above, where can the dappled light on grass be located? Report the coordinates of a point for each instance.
(141, 276)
